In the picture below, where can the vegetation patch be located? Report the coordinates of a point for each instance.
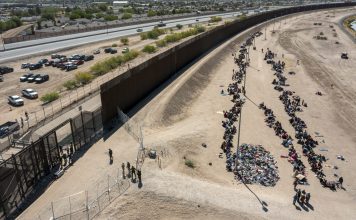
(189, 163)
(161, 43)
(154, 34)
(107, 65)
(50, 97)
(215, 19)
(70, 84)
(84, 78)
(149, 49)
(124, 41)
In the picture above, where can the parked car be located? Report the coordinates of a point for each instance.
(56, 62)
(49, 63)
(8, 128)
(43, 61)
(113, 51)
(15, 100)
(29, 93)
(78, 62)
(139, 30)
(35, 66)
(55, 56)
(25, 65)
(42, 78)
(70, 67)
(96, 52)
(88, 58)
(108, 50)
(5, 69)
(24, 78)
(32, 78)
(125, 50)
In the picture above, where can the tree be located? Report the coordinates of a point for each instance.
(38, 10)
(179, 26)
(39, 27)
(126, 16)
(151, 13)
(103, 7)
(31, 12)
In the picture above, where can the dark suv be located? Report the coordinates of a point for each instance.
(42, 78)
(35, 66)
(5, 69)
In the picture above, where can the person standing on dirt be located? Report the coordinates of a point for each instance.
(111, 156)
(128, 170)
(307, 198)
(341, 180)
(139, 175)
(133, 172)
(123, 170)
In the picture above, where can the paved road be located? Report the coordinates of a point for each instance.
(29, 48)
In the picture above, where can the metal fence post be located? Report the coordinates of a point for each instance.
(109, 188)
(52, 211)
(87, 202)
(97, 196)
(70, 208)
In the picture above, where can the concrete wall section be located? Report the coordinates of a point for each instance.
(126, 90)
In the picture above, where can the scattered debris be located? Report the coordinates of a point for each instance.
(256, 165)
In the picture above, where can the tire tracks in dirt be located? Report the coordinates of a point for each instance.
(341, 95)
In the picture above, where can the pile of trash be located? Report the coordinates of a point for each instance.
(256, 165)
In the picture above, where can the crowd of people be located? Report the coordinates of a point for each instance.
(293, 104)
(236, 89)
(287, 141)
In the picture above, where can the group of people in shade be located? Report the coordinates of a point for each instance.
(132, 172)
(235, 90)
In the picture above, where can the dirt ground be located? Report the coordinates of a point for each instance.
(188, 112)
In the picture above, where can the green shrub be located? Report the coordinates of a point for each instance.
(143, 36)
(70, 84)
(111, 17)
(151, 13)
(242, 17)
(50, 97)
(189, 163)
(114, 45)
(154, 34)
(149, 49)
(126, 16)
(200, 28)
(124, 41)
(179, 26)
(161, 43)
(215, 19)
(84, 78)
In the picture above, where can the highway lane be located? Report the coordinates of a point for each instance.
(30, 48)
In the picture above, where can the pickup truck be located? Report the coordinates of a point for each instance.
(8, 128)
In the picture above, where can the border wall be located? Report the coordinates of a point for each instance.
(129, 88)
(24, 175)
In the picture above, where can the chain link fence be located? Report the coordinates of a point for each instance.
(87, 204)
